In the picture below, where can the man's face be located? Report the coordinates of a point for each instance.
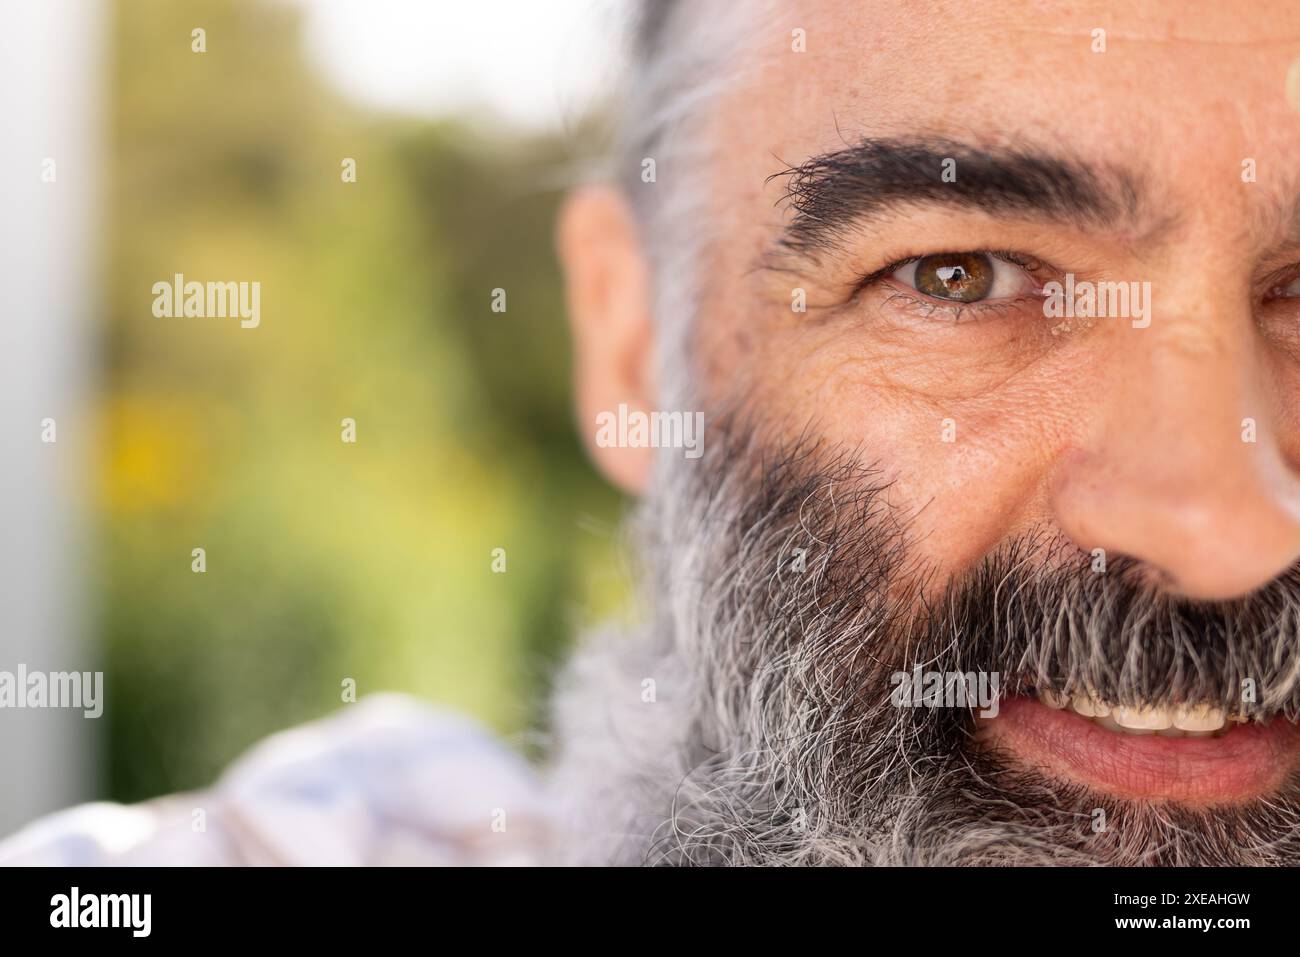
(1168, 434)
(904, 223)
(1125, 434)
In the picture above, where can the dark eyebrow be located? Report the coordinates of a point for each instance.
(831, 193)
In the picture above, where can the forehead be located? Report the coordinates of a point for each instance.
(1180, 92)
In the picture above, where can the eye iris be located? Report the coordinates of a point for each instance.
(961, 277)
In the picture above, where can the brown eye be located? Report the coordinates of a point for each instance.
(968, 278)
(959, 277)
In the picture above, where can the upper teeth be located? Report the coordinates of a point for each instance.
(1178, 721)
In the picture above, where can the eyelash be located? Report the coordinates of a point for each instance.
(1280, 280)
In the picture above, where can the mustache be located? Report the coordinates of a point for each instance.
(1045, 616)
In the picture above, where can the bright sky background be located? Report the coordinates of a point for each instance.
(533, 63)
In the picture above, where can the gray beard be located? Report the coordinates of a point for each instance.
(750, 721)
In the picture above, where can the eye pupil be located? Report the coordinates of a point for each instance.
(960, 277)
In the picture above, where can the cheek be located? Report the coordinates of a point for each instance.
(965, 476)
(968, 472)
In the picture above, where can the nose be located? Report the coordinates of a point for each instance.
(1184, 469)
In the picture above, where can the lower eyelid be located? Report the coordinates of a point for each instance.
(925, 307)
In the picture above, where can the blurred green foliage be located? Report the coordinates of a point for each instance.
(325, 560)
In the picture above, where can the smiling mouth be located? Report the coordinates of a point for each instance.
(1198, 754)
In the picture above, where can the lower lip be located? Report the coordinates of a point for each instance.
(1248, 761)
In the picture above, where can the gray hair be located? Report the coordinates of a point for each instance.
(683, 55)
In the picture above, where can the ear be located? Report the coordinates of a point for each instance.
(607, 282)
